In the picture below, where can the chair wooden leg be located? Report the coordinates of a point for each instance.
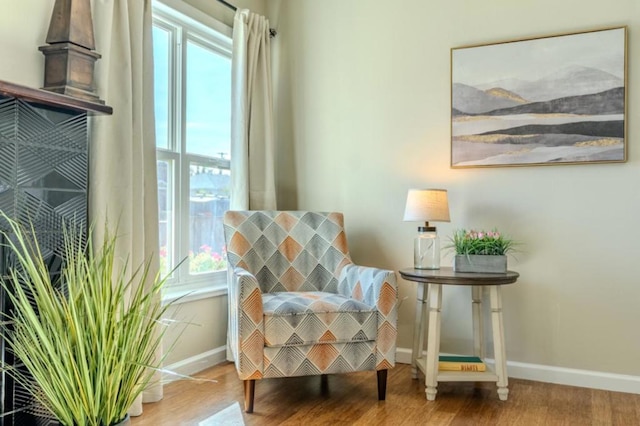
(249, 392)
(324, 384)
(382, 384)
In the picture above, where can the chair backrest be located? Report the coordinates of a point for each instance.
(288, 250)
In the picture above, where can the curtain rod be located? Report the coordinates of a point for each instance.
(229, 5)
(272, 32)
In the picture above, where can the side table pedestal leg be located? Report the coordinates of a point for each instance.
(478, 324)
(433, 340)
(498, 342)
(503, 393)
(431, 393)
(418, 330)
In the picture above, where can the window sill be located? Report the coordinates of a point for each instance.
(178, 296)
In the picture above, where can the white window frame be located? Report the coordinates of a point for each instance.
(187, 24)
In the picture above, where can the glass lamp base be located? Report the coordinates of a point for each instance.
(426, 267)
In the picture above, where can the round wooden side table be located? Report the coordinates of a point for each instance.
(435, 279)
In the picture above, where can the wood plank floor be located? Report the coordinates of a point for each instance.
(351, 399)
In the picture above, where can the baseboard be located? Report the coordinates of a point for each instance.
(190, 366)
(518, 370)
(558, 375)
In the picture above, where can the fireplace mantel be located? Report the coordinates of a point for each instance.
(52, 99)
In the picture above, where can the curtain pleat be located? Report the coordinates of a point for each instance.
(123, 182)
(252, 142)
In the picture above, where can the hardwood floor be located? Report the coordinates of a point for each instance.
(351, 399)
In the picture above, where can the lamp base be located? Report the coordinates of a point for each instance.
(426, 249)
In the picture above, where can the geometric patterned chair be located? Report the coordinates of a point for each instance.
(298, 306)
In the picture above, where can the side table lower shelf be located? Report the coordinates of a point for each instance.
(459, 376)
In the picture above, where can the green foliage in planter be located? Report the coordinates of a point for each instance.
(480, 242)
(90, 340)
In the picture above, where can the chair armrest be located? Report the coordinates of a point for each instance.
(246, 324)
(375, 287)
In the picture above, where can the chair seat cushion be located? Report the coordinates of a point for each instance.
(304, 318)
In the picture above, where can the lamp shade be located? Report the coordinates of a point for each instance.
(427, 205)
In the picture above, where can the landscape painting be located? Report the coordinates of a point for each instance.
(543, 101)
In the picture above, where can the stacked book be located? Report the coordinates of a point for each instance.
(460, 363)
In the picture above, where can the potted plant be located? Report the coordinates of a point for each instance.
(480, 251)
(89, 338)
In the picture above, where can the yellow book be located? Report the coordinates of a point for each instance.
(461, 363)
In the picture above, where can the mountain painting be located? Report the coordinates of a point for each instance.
(543, 101)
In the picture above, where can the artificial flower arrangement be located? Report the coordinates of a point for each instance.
(481, 251)
(481, 243)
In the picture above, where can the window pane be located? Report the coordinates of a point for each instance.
(192, 74)
(208, 102)
(161, 39)
(165, 215)
(208, 200)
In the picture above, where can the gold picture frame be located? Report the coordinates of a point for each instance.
(549, 100)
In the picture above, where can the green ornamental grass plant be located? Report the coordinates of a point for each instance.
(90, 340)
(481, 243)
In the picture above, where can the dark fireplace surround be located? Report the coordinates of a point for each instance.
(44, 157)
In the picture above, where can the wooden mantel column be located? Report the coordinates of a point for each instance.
(70, 57)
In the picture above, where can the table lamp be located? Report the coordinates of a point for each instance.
(428, 205)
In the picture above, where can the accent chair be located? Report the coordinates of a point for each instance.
(298, 306)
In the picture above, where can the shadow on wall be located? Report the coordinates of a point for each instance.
(508, 220)
(367, 250)
(283, 111)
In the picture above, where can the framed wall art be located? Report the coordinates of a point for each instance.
(541, 101)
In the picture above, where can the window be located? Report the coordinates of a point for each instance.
(192, 74)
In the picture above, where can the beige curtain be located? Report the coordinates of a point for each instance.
(123, 186)
(252, 144)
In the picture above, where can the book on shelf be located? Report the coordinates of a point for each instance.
(460, 363)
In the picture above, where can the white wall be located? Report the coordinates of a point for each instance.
(200, 327)
(362, 103)
(22, 30)
(223, 13)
